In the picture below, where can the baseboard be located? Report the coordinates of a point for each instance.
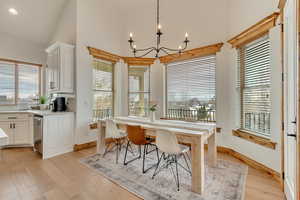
(78, 147)
(252, 163)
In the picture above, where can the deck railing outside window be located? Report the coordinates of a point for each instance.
(258, 122)
(102, 114)
(201, 114)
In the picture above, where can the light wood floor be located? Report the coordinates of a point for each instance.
(23, 175)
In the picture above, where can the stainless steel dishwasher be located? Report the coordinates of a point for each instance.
(38, 133)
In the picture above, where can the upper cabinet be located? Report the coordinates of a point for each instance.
(60, 68)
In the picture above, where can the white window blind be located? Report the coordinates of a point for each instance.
(139, 90)
(255, 86)
(103, 90)
(28, 84)
(191, 89)
(19, 83)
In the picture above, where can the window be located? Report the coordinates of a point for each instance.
(139, 90)
(103, 90)
(19, 83)
(254, 83)
(191, 89)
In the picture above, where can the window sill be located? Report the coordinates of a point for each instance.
(255, 139)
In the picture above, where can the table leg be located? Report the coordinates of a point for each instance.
(198, 165)
(101, 138)
(212, 150)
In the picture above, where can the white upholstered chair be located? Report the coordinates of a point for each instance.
(117, 135)
(167, 142)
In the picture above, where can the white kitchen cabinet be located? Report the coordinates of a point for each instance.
(60, 68)
(58, 134)
(18, 128)
(21, 132)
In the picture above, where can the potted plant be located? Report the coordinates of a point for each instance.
(153, 109)
(43, 101)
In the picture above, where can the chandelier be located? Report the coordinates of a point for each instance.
(139, 53)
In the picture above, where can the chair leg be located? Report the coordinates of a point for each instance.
(157, 166)
(177, 172)
(144, 156)
(140, 154)
(106, 149)
(189, 169)
(157, 154)
(117, 153)
(126, 153)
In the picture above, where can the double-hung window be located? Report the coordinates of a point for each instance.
(191, 89)
(19, 83)
(139, 90)
(254, 83)
(103, 89)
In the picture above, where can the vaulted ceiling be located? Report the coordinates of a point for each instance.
(36, 20)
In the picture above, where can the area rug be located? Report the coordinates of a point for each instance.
(226, 181)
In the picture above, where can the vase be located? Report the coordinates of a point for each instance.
(152, 116)
(43, 106)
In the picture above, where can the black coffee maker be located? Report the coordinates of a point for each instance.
(59, 104)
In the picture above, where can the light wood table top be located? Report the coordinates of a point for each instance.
(195, 134)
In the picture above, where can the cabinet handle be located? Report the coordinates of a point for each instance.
(12, 118)
(10, 126)
(14, 125)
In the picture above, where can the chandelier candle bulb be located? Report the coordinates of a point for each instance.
(130, 35)
(186, 35)
(159, 26)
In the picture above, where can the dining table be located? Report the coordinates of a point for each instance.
(196, 134)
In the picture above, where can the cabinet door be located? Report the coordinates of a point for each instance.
(7, 128)
(58, 135)
(53, 61)
(21, 132)
(67, 70)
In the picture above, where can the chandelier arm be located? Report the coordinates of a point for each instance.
(169, 49)
(131, 47)
(164, 50)
(150, 48)
(185, 46)
(145, 53)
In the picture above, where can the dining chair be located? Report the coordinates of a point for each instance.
(116, 135)
(136, 135)
(167, 143)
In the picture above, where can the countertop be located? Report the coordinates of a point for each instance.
(35, 112)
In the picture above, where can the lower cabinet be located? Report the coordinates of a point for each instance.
(21, 133)
(58, 134)
(17, 128)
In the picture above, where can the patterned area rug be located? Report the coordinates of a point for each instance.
(226, 181)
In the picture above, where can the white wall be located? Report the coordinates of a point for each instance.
(98, 25)
(21, 50)
(244, 13)
(66, 27)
